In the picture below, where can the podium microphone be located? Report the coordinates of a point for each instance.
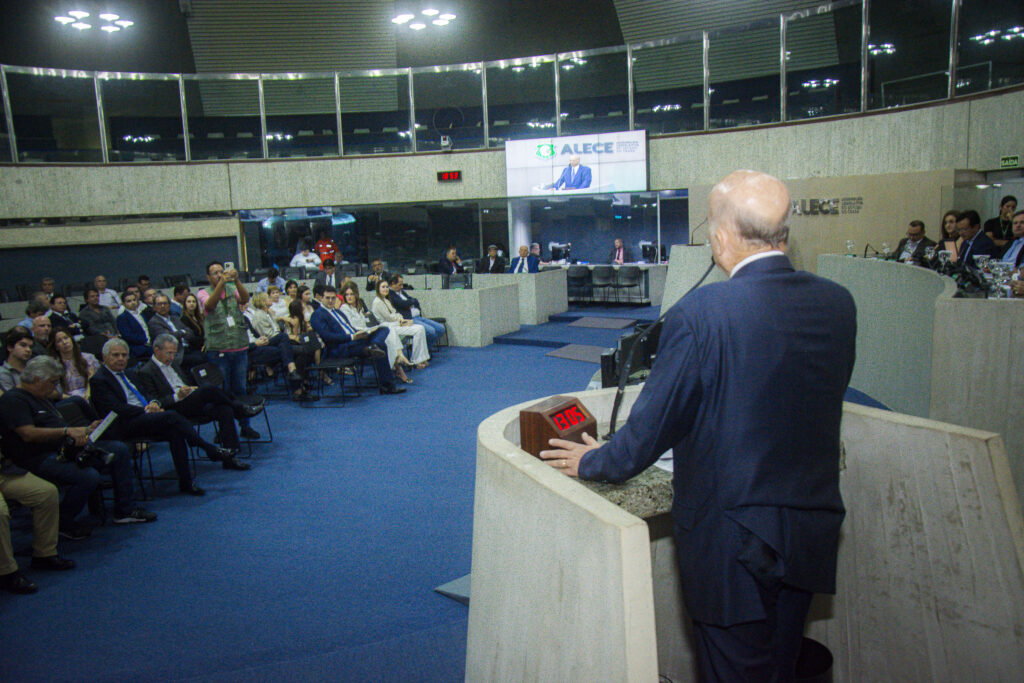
(874, 252)
(624, 374)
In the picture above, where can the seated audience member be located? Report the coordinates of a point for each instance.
(535, 251)
(975, 242)
(180, 292)
(619, 253)
(97, 319)
(491, 263)
(48, 286)
(341, 340)
(108, 298)
(359, 317)
(192, 319)
(278, 302)
(1014, 253)
(911, 248)
(328, 276)
(388, 315)
(146, 303)
(306, 346)
(41, 331)
(41, 497)
(134, 329)
(19, 345)
(305, 295)
(79, 366)
(144, 283)
(1000, 228)
(115, 389)
(267, 343)
(409, 307)
(37, 438)
(164, 321)
(951, 239)
(163, 379)
(305, 258)
(450, 263)
(61, 318)
(291, 290)
(326, 248)
(273, 279)
(38, 305)
(318, 295)
(377, 273)
(525, 262)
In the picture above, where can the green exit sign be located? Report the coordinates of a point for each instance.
(1010, 162)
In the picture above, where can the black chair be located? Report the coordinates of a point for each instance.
(180, 279)
(4, 296)
(208, 374)
(93, 344)
(629, 277)
(290, 273)
(23, 292)
(603, 278)
(579, 283)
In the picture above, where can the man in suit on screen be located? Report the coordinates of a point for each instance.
(747, 391)
(574, 177)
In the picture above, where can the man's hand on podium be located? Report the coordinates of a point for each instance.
(567, 454)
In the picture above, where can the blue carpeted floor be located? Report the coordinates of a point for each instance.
(319, 564)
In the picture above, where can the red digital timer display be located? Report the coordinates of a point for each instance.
(449, 176)
(568, 418)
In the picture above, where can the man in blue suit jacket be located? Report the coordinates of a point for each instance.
(574, 176)
(747, 391)
(976, 242)
(342, 341)
(525, 262)
(133, 328)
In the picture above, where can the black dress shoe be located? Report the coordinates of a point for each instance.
(191, 489)
(392, 389)
(374, 352)
(220, 454)
(16, 582)
(295, 376)
(248, 433)
(54, 563)
(234, 463)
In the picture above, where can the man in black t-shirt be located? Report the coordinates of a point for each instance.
(34, 433)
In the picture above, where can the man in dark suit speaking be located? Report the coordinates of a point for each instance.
(574, 177)
(747, 391)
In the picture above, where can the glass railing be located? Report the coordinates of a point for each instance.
(842, 57)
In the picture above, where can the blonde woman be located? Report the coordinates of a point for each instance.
(358, 317)
(385, 312)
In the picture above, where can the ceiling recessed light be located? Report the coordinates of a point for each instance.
(109, 16)
(417, 26)
(402, 18)
(439, 22)
(78, 14)
(124, 23)
(447, 16)
(81, 25)
(110, 29)
(64, 20)
(430, 12)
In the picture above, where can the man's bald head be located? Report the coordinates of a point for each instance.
(753, 205)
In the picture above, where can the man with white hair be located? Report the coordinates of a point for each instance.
(747, 391)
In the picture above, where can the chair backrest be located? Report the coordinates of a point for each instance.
(603, 275)
(578, 273)
(208, 374)
(93, 344)
(290, 273)
(629, 275)
(179, 279)
(76, 412)
(4, 296)
(22, 291)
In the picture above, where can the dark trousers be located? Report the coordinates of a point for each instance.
(758, 650)
(82, 481)
(234, 365)
(358, 347)
(171, 427)
(212, 402)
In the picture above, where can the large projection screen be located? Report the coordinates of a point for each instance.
(608, 162)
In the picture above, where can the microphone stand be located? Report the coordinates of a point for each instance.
(624, 375)
(874, 252)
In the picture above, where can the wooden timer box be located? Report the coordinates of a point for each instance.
(558, 417)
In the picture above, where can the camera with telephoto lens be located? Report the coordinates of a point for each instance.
(89, 455)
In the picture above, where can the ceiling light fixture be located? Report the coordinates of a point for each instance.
(402, 18)
(447, 16)
(417, 26)
(109, 16)
(431, 12)
(81, 25)
(78, 14)
(64, 20)
(124, 23)
(439, 22)
(110, 29)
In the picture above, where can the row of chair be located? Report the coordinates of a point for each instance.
(584, 282)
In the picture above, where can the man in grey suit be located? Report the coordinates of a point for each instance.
(164, 321)
(747, 390)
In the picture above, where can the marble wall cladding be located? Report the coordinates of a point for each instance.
(686, 265)
(977, 377)
(29, 190)
(541, 295)
(996, 130)
(474, 316)
(895, 319)
(115, 233)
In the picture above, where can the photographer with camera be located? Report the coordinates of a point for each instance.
(37, 438)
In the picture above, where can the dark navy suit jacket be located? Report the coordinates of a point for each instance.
(747, 389)
(532, 264)
(133, 333)
(336, 339)
(581, 180)
(982, 245)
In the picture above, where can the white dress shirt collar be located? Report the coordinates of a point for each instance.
(755, 257)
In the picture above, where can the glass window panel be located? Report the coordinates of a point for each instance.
(908, 56)
(223, 118)
(991, 45)
(449, 103)
(594, 95)
(823, 65)
(668, 87)
(55, 118)
(375, 114)
(405, 236)
(521, 100)
(744, 68)
(5, 143)
(300, 117)
(143, 120)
